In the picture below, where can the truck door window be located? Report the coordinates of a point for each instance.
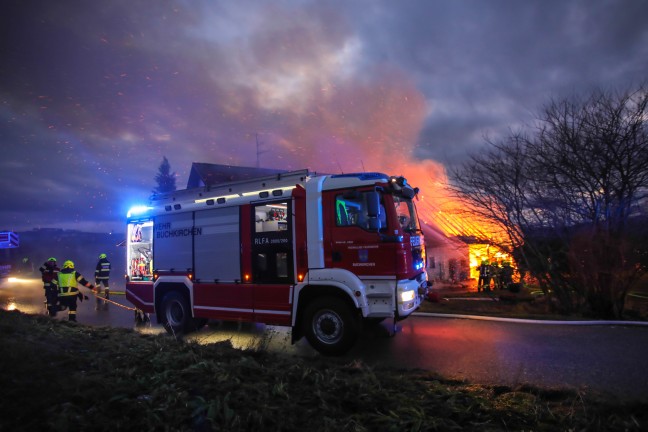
(351, 210)
(406, 214)
(272, 243)
(270, 217)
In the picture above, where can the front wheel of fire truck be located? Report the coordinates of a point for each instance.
(176, 314)
(330, 325)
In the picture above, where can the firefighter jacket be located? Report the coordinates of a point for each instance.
(102, 272)
(67, 282)
(48, 274)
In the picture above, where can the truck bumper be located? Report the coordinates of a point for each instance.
(407, 298)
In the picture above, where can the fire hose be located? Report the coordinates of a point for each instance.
(140, 316)
(115, 303)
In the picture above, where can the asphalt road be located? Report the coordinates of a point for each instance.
(609, 359)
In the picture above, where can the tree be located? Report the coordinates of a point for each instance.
(569, 194)
(165, 179)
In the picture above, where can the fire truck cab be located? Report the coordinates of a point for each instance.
(319, 253)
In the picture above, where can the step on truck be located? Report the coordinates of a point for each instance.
(322, 254)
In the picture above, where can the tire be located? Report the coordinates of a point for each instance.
(176, 314)
(330, 325)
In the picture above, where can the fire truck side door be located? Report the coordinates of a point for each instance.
(272, 260)
(352, 232)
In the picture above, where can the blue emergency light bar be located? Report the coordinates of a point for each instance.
(138, 211)
(362, 176)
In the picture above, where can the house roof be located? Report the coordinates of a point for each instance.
(206, 174)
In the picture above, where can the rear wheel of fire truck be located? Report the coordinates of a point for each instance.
(176, 314)
(330, 325)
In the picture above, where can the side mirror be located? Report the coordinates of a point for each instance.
(373, 204)
(408, 192)
(373, 211)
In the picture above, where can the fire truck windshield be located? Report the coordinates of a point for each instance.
(406, 213)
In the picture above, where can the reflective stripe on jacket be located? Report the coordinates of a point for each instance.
(67, 282)
(102, 271)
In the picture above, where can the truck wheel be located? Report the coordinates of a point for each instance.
(176, 315)
(330, 326)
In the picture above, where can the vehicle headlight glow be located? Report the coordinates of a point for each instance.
(407, 296)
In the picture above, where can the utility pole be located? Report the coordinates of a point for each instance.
(259, 152)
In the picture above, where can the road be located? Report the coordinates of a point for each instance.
(610, 359)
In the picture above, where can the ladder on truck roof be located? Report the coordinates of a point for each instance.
(270, 182)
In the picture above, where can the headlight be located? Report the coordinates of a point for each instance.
(406, 296)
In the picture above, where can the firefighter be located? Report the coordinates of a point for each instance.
(495, 275)
(506, 275)
(68, 293)
(484, 280)
(49, 271)
(102, 274)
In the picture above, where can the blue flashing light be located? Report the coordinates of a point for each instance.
(363, 176)
(137, 211)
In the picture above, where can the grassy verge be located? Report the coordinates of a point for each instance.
(64, 376)
(525, 304)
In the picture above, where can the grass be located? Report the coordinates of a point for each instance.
(63, 376)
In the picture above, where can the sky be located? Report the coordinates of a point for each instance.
(93, 94)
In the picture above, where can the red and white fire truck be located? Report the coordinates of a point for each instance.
(319, 253)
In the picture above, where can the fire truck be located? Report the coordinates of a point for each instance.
(323, 254)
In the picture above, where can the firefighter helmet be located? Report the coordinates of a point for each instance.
(68, 264)
(51, 259)
(102, 256)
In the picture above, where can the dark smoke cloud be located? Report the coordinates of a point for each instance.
(94, 94)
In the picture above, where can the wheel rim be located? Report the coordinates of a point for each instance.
(328, 327)
(175, 314)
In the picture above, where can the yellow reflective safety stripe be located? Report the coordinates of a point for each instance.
(67, 284)
(67, 280)
(68, 291)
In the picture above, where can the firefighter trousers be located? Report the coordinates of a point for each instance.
(52, 300)
(71, 302)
